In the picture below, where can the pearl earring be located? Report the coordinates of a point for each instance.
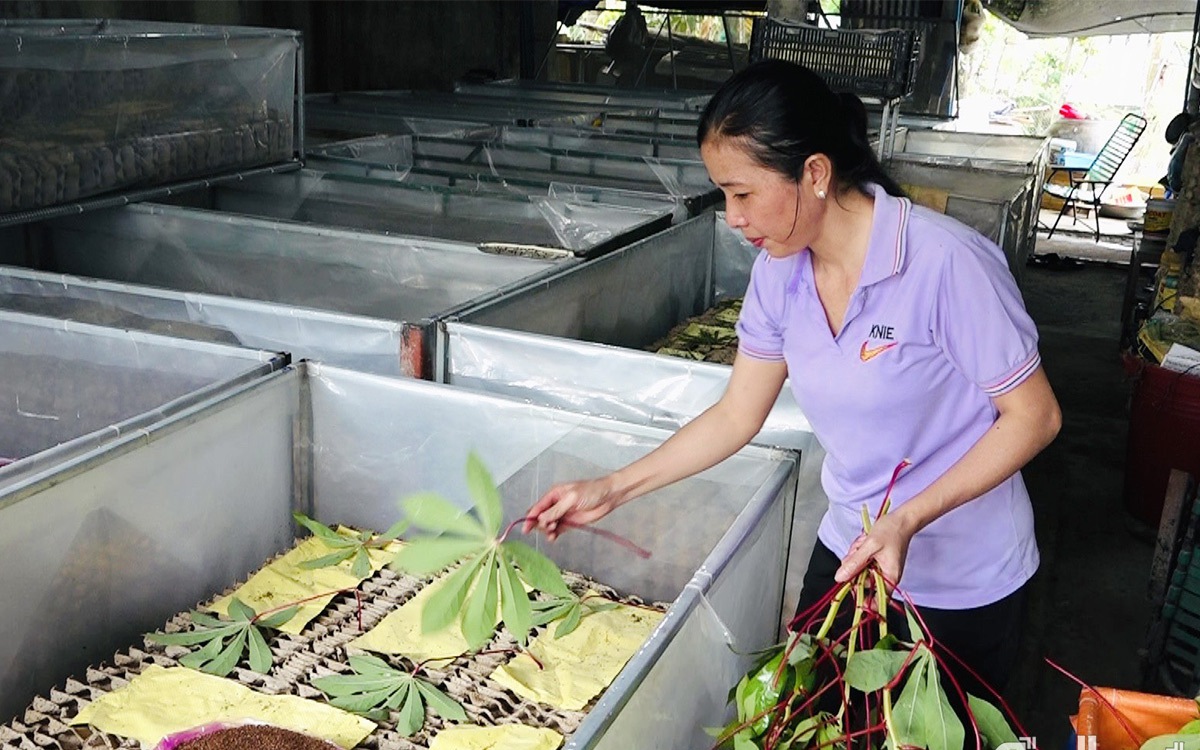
(821, 194)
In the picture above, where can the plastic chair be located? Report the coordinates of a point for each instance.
(1087, 190)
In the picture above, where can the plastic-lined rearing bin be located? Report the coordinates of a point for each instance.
(94, 109)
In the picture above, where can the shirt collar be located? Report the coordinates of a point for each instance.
(889, 233)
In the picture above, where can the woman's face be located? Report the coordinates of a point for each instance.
(775, 213)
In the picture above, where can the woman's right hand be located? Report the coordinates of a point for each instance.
(572, 503)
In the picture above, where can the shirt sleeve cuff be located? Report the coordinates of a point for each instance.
(760, 354)
(1013, 378)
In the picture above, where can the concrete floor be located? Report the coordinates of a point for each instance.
(1088, 608)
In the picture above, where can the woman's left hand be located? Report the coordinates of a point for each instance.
(886, 544)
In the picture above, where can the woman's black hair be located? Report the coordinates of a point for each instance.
(1178, 125)
(785, 113)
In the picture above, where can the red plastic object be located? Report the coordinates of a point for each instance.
(1066, 111)
(1164, 430)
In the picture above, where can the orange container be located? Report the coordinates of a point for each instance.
(1148, 715)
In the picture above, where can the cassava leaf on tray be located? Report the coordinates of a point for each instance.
(347, 545)
(375, 688)
(568, 610)
(318, 529)
(226, 641)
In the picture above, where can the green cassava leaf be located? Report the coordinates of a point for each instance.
(570, 622)
(549, 610)
(278, 619)
(362, 563)
(398, 696)
(344, 685)
(423, 556)
(538, 570)
(202, 655)
(807, 729)
(239, 610)
(446, 603)
(394, 531)
(479, 618)
(763, 692)
(433, 512)
(805, 647)
(203, 619)
(744, 741)
(992, 725)
(870, 670)
(366, 664)
(943, 728)
(375, 687)
(260, 652)
(318, 529)
(226, 640)
(225, 661)
(914, 627)
(351, 545)
(325, 561)
(605, 606)
(412, 713)
(193, 637)
(442, 704)
(485, 494)
(361, 703)
(829, 734)
(514, 602)
(908, 718)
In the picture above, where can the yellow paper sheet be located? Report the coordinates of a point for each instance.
(283, 582)
(929, 197)
(503, 737)
(162, 701)
(400, 632)
(578, 666)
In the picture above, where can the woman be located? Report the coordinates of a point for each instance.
(904, 336)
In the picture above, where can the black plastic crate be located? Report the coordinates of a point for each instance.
(880, 64)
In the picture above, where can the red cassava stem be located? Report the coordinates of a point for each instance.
(627, 544)
(1112, 709)
(421, 664)
(809, 616)
(887, 496)
(305, 600)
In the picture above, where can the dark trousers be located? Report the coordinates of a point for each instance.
(987, 638)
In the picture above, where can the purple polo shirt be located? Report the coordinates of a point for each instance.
(934, 331)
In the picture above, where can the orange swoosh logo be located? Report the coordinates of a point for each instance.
(867, 354)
